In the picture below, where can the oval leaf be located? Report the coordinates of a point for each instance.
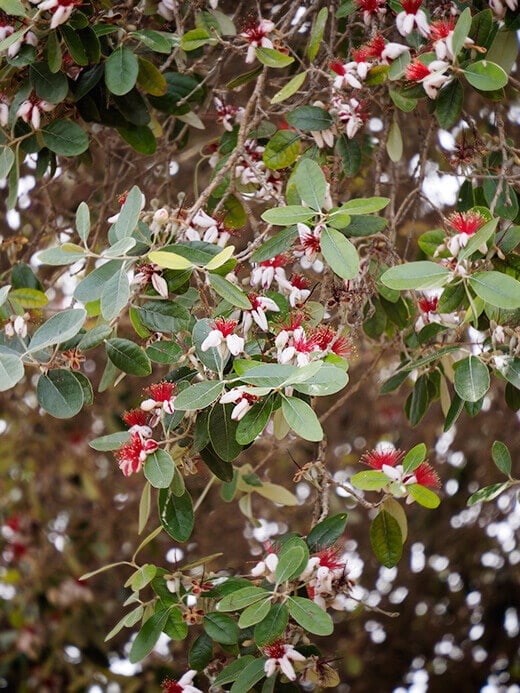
(60, 393)
(128, 357)
(159, 468)
(310, 616)
(339, 253)
(471, 379)
(386, 539)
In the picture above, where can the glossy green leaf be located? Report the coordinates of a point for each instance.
(242, 598)
(201, 652)
(155, 40)
(414, 458)
(64, 137)
(309, 118)
(461, 31)
(285, 216)
(58, 329)
(290, 88)
(448, 105)
(386, 539)
(350, 154)
(222, 432)
(254, 614)
(115, 295)
(60, 393)
(229, 292)
(176, 514)
(496, 288)
(148, 636)
(370, 480)
(471, 379)
(289, 564)
(254, 422)
(121, 70)
(221, 628)
(302, 419)
(326, 532)
(488, 493)
(310, 616)
(416, 275)
(53, 87)
(485, 75)
(504, 50)
(339, 253)
(501, 457)
(11, 370)
(282, 150)
(424, 496)
(199, 395)
(6, 161)
(272, 57)
(128, 356)
(272, 625)
(310, 183)
(317, 32)
(249, 676)
(159, 468)
(112, 441)
(365, 205)
(329, 380)
(164, 316)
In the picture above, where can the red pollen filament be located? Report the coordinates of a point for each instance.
(225, 327)
(377, 46)
(442, 28)
(466, 222)
(361, 54)
(276, 650)
(171, 686)
(254, 31)
(426, 476)
(377, 458)
(161, 392)
(370, 6)
(299, 282)
(338, 68)
(417, 70)
(329, 558)
(411, 6)
(428, 305)
(135, 417)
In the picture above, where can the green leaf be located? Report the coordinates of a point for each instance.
(201, 652)
(414, 458)
(471, 379)
(155, 40)
(504, 50)
(386, 539)
(159, 468)
(310, 183)
(310, 616)
(7, 159)
(272, 626)
(249, 676)
(289, 563)
(496, 288)
(416, 275)
(329, 380)
(339, 253)
(309, 118)
(350, 154)
(176, 514)
(511, 372)
(488, 493)
(241, 598)
(128, 356)
(150, 79)
(461, 31)
(232, 670)
(13, 7)
(404, 103)
(284, 216)
(448, 105)
(272, 57)
(64, 137)
(195, 38)
(74, 44)
(326, 532)
(121, 70)
(142, 577)
(58, 329)
(254, 614)
(164, 352)
(52, 87)
(127, 621)
(222, 432)
(424, 496)
(370, 480)
(254, 422)
(501, 457)
(365, 205)
(29, 298)
(282, 150)
(11, 370)
(199, 396)
(290, 88)
(60, 393)
(139, 137)
(128, 217)
(229, 292)
(83, 221)
(116, 294)
(221, 628)
(302, 419)
(477, 239)
(317, 33)
(112, 441)
(148, 636)
(485, 75)
(394, 142)
(164, 316)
